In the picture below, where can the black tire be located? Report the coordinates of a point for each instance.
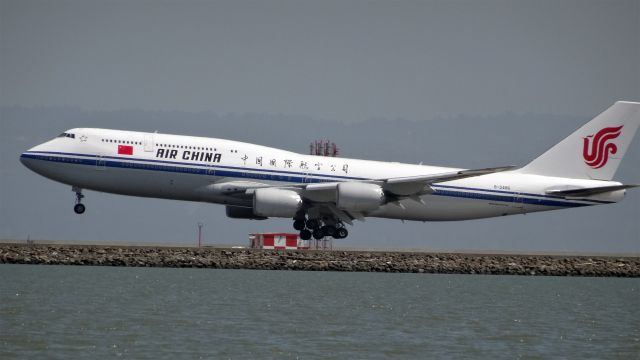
(318, 234)
(305, 234)
(313, 224)
(79, 209)
(341, 233)
(328, 230)
(299, 225)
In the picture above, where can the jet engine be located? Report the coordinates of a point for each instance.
(239, 212)
(270, 202)
(357, 196)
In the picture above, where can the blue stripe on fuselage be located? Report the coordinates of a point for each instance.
(292, 177)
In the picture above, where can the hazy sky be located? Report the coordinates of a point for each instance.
(334, 62)
(344, 60)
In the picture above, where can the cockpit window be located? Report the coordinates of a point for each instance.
(69, 135)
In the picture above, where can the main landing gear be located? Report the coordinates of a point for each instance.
(79, 208)
(319, 229)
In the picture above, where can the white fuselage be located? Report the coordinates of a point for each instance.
(188, 168)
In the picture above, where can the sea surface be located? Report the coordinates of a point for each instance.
(75, 312)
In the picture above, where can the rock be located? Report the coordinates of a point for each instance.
(410, 262)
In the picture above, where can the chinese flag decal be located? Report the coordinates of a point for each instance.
(125, 150)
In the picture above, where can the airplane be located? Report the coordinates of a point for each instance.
(322, 194)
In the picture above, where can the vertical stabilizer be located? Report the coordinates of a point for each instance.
(595, 150)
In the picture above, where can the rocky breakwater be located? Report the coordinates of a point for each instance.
(406, 262)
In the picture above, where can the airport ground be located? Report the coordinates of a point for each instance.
(20, 252)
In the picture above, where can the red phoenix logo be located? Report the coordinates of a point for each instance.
(597, 148)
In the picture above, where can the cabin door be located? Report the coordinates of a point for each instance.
(148, 143)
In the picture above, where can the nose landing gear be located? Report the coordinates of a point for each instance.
(78, 208)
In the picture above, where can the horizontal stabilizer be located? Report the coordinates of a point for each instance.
(589, 191)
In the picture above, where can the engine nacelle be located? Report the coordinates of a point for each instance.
(239, 212)
(272, 202)
(357, 196)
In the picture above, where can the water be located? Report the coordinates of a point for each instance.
(68, 312)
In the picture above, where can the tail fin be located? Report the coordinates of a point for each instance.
(595, 150)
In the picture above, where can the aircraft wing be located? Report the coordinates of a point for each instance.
(322, 192)
(581, 192)
(418, 184)
(322, 196)
(410, 185)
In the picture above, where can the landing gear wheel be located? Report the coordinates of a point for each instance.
(313, 224)
(318, 234)
(305, 234)
(341, 233)
(299, 224)
(328, 230)
(79, 208)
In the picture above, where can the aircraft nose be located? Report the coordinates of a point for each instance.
(27, 158)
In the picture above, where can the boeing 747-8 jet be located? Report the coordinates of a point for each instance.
(322, 194)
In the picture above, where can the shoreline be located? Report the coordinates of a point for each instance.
(181, 245)
(319, 260)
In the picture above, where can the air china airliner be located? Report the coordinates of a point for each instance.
(322, 194)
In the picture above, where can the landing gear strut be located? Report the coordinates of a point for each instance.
(299, 224)
(328, 230)
(313, 224)
(79, 208)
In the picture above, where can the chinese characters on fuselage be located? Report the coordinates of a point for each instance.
(214, 157)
